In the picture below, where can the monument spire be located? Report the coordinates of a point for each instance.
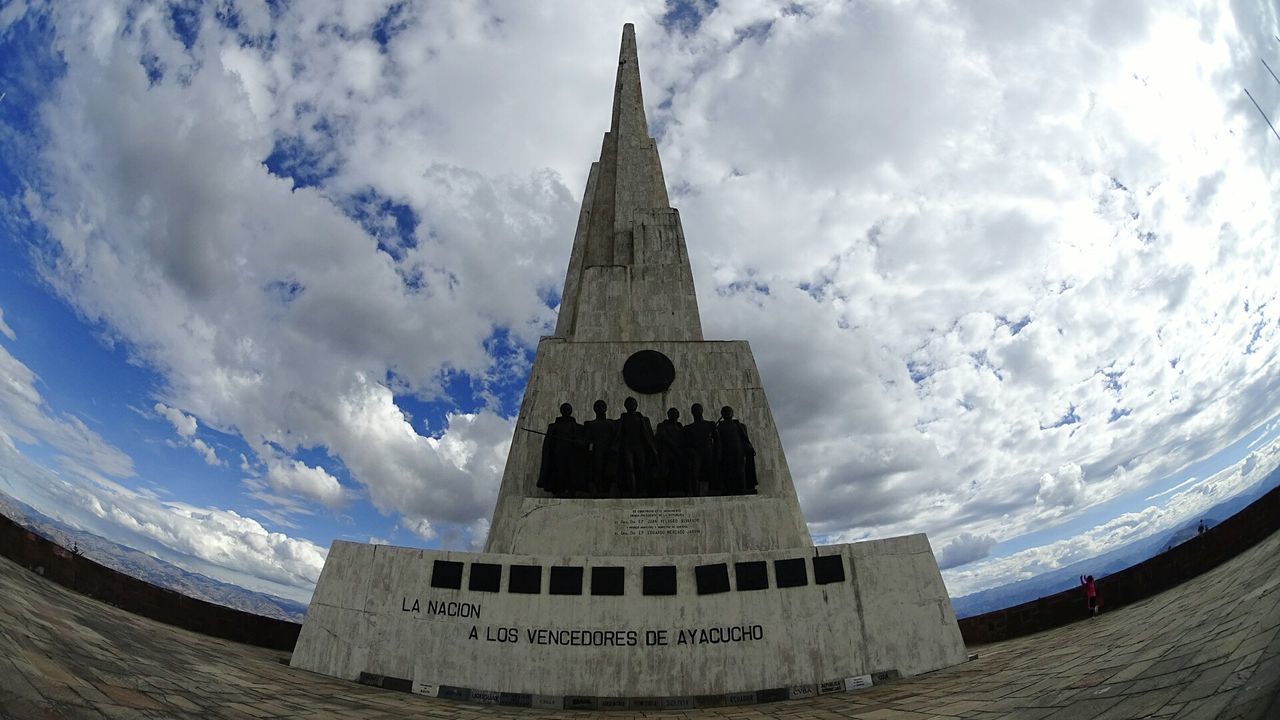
(629, 276)
(628, 99)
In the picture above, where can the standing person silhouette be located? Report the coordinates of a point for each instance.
(1090, 593)
(637, 453)
(670, 475)
(703, 451)
(603, 455)
(737, 456)
(562, 455)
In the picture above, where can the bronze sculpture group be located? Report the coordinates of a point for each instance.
(628, 457)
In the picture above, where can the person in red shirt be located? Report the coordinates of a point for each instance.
(1090, 592)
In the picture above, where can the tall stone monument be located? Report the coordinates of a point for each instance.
(654, 556)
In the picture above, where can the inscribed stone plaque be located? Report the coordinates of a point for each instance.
(659, 521)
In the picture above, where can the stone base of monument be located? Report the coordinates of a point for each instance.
(630, 632)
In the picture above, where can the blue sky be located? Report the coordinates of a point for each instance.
(271, 274)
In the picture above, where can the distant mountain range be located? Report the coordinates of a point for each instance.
(1067, 577)
(153, 570)
(159, 572)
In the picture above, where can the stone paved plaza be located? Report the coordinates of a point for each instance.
(1207, 649)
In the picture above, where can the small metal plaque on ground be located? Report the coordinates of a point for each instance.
(796, 692)
(859, 682)
(580, 702)
(833, 686)
(449, 692)
(515, 699)
(428, 689)
(547, 702)
(773, 695)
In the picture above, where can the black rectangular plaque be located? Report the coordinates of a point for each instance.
(708, 701)
(660, 580)
(515, 699)
(452, 692)
(485, 577)
(752, 575)
(791, 572)
(828, 569)
(607, 580)
(566, 580)
(773, 694)
(579, 702)
(526, 579)
(395, 683)
(712, 579)
(446, 574)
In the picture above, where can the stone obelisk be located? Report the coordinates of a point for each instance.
(634, 565)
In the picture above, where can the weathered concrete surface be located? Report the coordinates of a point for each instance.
(629, 276)
(1206, 649)
(376, 611)
(528, 520)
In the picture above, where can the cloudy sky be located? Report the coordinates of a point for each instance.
(271, 273)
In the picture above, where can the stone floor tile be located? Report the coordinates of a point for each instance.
(1204, 709)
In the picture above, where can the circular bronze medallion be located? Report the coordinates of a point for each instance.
(648, 372)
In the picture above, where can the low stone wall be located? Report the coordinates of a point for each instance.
(1138, 582)
(658, 632)
(100, 582)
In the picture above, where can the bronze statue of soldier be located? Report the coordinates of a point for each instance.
(563, 455)
(701, 455)
(637, 454)
(670, 476)
(602, 454)
(737, 456)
